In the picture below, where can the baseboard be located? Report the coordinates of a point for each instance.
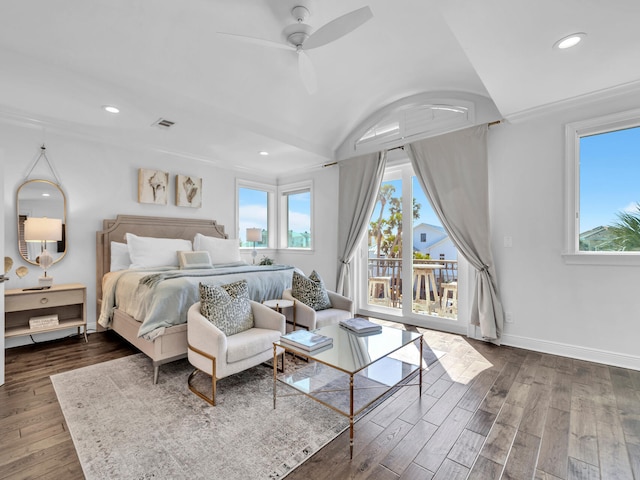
(573, 351)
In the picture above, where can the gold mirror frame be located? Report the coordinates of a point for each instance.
(35, 206)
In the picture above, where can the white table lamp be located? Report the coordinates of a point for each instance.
(254, 235)
(43, 230)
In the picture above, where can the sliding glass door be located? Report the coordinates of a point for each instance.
(411, 263)
(384, 245)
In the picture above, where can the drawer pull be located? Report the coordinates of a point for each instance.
(44, 300)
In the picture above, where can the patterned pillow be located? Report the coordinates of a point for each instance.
(227, 306)
(310, 291)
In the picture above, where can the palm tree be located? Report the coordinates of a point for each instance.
(626, 231)
(384, 196)
(395, 221)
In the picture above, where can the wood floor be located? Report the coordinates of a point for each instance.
(486, 412)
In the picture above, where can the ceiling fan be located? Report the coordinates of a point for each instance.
(301, 37)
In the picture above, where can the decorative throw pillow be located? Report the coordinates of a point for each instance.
(120, 259)
(227, 306)
(310, 290)
(190, 260)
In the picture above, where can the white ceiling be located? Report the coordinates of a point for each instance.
(61, 60)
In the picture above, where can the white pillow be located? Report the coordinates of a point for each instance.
(221, 250)
(120, 259)
(148, 252)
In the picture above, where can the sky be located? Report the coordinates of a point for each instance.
(253, 211)
(609, 176)
(427, 214)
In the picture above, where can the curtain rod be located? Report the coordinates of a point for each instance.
(401, 147)
(490, 124)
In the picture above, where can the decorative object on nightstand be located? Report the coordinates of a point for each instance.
(254, 235)
(43, 230)
(36, 311)
(266, 260)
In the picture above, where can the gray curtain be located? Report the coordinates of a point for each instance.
(453, 171)
(360, 179)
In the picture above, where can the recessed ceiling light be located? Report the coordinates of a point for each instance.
(111, 109)
(569, 41)
(263, 153)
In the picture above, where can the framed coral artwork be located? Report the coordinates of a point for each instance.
(188, 191)
(153, 186)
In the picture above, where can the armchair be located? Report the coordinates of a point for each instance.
(307, 317)
(210, 351)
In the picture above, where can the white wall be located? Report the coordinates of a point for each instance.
(576, 310)
(584, 311)
(2, 285)
(100, 181)
(324, 256)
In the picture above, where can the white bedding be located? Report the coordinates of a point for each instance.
(166, 301)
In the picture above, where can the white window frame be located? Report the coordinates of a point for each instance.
(573, 133)
(271, 210)
(283, 192)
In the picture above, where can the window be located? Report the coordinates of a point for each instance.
(412, 118)
(296, 216)
(255, 205)
(405, 275)
(603, 197)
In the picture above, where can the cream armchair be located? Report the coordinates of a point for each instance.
(212, 352)
(307, 317)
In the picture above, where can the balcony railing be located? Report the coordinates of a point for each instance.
(385, 285)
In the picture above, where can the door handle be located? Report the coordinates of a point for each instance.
(3, 278)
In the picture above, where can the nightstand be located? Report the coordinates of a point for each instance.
(68, 302)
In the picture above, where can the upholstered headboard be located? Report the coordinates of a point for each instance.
(114, 230)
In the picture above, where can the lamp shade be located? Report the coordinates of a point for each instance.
(254, 234)
(42, 229)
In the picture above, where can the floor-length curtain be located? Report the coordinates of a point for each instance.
(360, 180)
(453, 172)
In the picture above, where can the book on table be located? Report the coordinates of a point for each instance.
(305, 340)
(360, 325)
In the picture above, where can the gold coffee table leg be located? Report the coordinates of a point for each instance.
(351, 416)
(275, 373)
(420, 366)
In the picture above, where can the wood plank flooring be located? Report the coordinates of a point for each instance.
(34, 441)
(486, 413)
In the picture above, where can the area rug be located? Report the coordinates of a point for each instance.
(123, 426)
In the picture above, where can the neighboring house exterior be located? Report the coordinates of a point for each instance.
(595, 239)
(433, 240)
(299, 240)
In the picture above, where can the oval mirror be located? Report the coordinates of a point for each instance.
(40, 200)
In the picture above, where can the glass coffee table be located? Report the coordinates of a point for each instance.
(355, 371)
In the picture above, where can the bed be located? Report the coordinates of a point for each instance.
(166, 340)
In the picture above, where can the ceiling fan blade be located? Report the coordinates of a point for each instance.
(338, 27)
(307, 72)
(256, 41)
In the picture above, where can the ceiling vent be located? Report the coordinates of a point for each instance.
(163, 122)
